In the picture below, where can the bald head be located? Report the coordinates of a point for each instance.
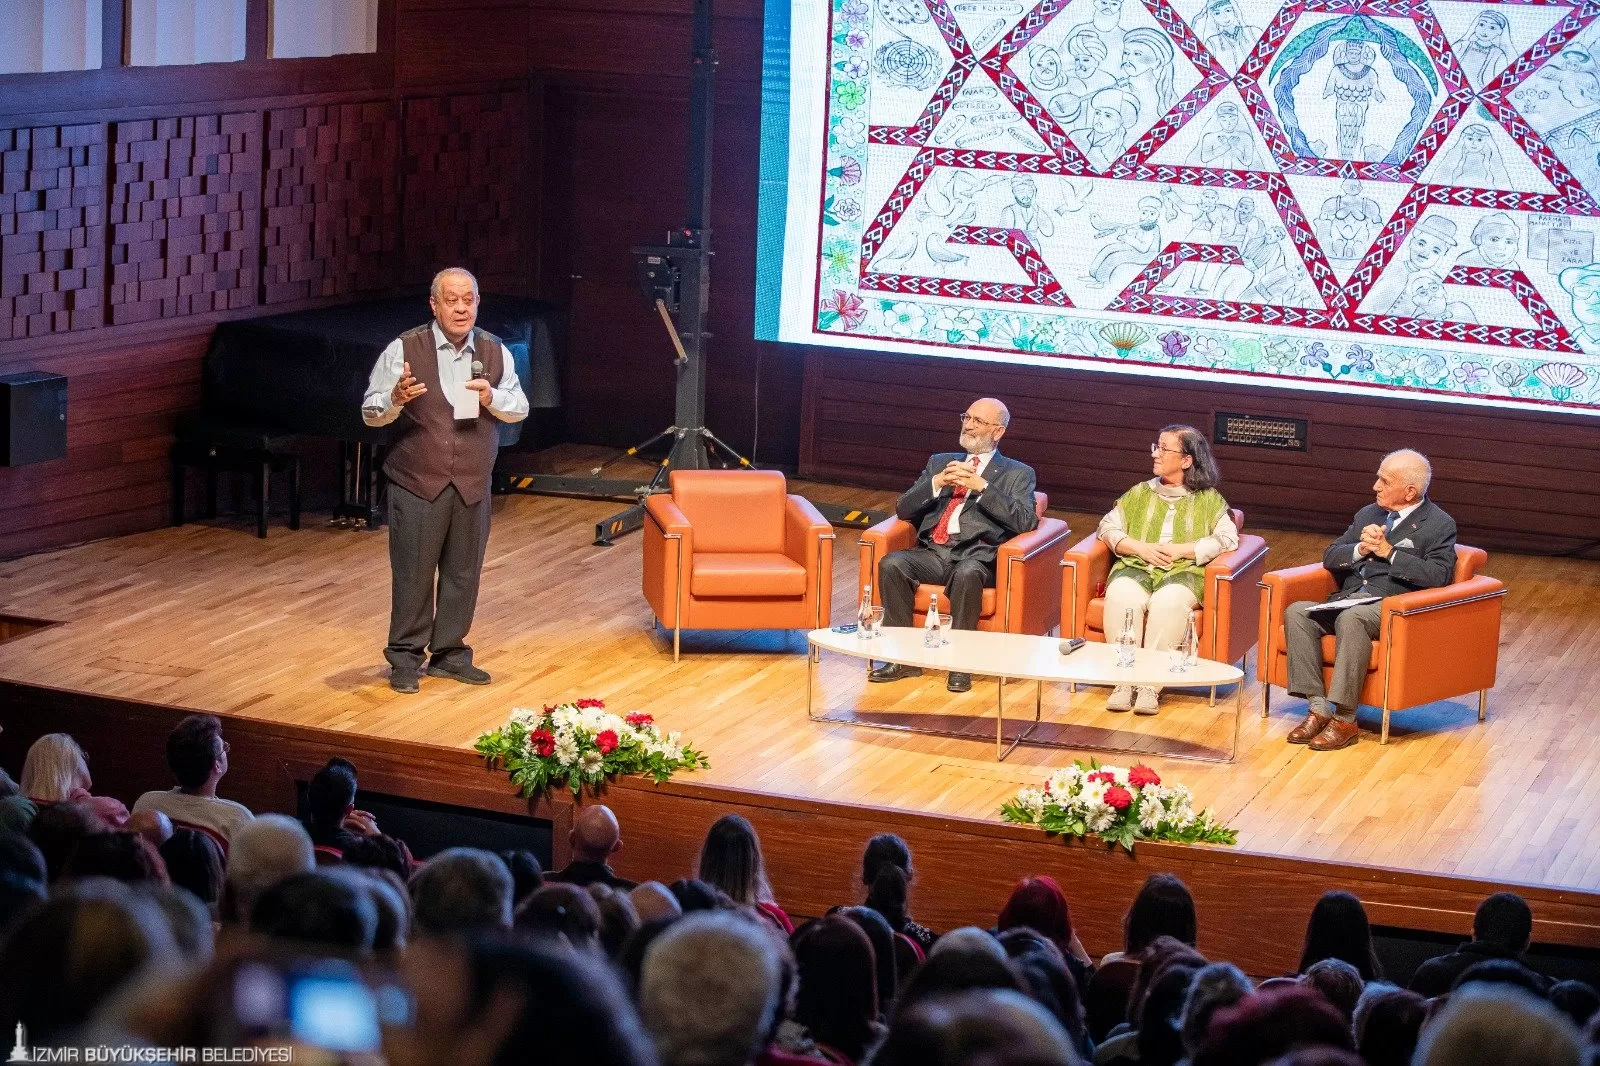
(983, 424)
(652, 900)
(595, 834)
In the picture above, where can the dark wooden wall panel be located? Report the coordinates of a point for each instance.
(1518, 480)
(52, 229)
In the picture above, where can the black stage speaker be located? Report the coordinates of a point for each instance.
(33, 418)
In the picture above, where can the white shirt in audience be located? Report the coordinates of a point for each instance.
(222, 815)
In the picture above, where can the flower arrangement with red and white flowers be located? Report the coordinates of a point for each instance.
(582, 743)
(1119, 805)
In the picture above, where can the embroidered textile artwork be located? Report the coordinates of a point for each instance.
(1384, 194)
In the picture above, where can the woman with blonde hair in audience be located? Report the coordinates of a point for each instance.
(57, 771)
(730, 860)
(1163, 532)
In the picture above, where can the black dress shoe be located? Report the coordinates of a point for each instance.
(959, 683)
(894, 672)
(465, 673)
(403, 680)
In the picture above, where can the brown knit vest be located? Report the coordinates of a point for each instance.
(430, 449)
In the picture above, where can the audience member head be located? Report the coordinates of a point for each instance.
(1160, 953)
(1160, 1014)
(196, 754)
(194, 862)
(631, 961)
(1501, 1025)
(653, 900)
(962, 959)
(992, 1026)
(1042, 968)
(882, 937)
(55, 765)
(320, 908)
(595, 833)
(885, 849)
(709, 990)
(562, 912)
(330, 795)
(518, 1003)
(58, 828)
(1387, 1026)
(1269, 1024)
(1501, 972)
(1578, 1000)
(23, 878)
(1319, 1056)
(838, 995)
(120, 855)
(383, 852)
(390, 904)
(188, 919)
(731, 860)
(1215, 985)
(66, 956)
(694, 894)
(889, 895)
(261, 853)
(1505, 921)
(1163, 907)
(527, 876)
(461, 890)
(618, 919)
(154, 826)
(1039, 904)
(1338, 929)
(1339, 982)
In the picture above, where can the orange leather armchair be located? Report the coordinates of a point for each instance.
(1225, 623)
(1432, 644)
(1021, 600)
(730, 549)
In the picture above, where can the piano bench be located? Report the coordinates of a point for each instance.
(215, 446)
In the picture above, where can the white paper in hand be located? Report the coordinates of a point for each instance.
(466, 402)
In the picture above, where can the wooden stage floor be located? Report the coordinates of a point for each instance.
(289, 630)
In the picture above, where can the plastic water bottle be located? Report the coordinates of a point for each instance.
(864, 614)
(1126, 641)
(1188, 649)
(932, 637)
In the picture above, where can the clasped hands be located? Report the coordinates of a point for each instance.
(408, 388)
(1158, 555)
(959, 474)
(1374, 542)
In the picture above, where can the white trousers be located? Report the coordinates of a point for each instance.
(1162, 616)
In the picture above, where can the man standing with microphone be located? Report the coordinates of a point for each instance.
(434, 382)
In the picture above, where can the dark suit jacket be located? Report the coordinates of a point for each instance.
(990, 518)
(1429, 561)
(584, 874)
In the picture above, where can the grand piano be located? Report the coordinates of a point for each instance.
(304, 373)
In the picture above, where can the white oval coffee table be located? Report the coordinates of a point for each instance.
(1016, 657)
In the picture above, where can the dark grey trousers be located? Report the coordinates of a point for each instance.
(899, 574)
(1354, 629)
(443, 537)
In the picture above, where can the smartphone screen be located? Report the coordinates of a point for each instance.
(336, 1012)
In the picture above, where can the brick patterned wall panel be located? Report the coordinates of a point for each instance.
(331, 202)
(466, 183)
(52, 229)
(185, 215)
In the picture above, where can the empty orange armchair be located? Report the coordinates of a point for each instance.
(1433, 644)
(1023, 598)
(730, 549)
(1225, 622)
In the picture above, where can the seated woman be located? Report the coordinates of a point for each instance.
(1164, 531)
(56, 771)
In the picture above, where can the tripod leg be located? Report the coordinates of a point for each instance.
(723, 445)
(631, 452)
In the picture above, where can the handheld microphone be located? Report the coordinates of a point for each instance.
(477, 369)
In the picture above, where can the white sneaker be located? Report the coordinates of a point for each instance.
(1121, 699)
(1147, 700)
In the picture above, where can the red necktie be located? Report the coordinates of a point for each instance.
(941, 532)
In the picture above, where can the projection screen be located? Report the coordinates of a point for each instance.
(1360, 195)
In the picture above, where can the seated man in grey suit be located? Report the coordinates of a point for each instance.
(1401, 543)
(965, 505)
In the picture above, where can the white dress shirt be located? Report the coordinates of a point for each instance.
(506, 401)
(954, 525)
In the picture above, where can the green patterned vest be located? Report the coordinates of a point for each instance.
(1144, 513)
